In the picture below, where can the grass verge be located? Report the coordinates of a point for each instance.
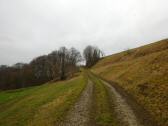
(42, 105)
(103, 113)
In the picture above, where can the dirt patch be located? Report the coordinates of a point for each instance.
(80, 113)
(123, 110)
(141, 113)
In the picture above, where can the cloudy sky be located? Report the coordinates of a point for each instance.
(29, 28)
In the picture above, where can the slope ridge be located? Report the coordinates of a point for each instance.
(143, 73)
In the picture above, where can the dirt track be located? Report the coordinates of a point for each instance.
(123, 110)
(79, 114)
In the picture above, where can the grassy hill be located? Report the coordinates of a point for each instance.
(41, 105)
(142, 72)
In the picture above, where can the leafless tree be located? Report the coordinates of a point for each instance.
(59, 64)
(92, 55)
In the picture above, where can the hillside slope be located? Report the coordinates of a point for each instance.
(41, 105)
(143, 73)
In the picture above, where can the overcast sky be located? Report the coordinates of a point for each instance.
(29, 28)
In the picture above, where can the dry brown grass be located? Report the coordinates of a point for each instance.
(143, 73)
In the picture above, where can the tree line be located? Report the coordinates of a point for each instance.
(58, 65)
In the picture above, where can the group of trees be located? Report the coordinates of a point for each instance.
(92, 55)
(58, 65)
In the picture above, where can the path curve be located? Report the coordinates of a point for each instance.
(123, 110)
(79, 114)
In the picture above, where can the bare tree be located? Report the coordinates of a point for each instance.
(62, 54)
(92, 55)
(59, 64)
(69, 59)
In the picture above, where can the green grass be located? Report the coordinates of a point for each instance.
(103, 113)
(41, 105)
(144, 74)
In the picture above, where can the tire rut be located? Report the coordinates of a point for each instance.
(124, 112)
(80, 113)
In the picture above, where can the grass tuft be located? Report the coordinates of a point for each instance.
(103, 113)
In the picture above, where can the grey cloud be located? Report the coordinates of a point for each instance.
(29, 28)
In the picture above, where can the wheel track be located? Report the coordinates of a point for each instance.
(124, 112)
(79, 114)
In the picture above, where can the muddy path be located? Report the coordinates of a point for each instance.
(79, 115)
(127, 111)
(123, 111)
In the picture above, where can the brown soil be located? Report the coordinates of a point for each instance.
(80, 113)
(123, 110)
(140, 114)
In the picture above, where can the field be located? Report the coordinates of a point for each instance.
(135, 93)
(52, 103)
(39, 105)
(143, 73)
